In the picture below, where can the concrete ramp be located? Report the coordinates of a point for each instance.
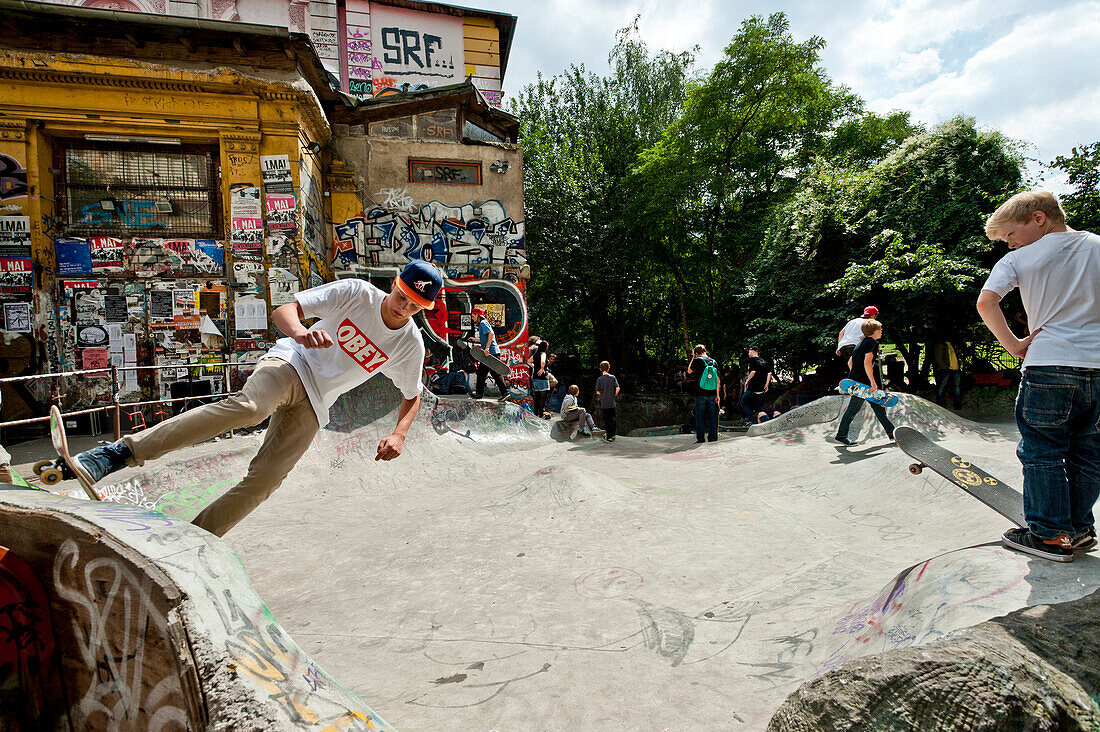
(156, 627)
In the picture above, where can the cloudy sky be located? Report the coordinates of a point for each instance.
(1030, 70)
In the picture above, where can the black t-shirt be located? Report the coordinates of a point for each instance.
(859, 371)
(760, 378)
(698, 365)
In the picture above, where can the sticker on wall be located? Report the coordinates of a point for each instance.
(213, 250)
(115, 310)
(17, 317)
(96, 358)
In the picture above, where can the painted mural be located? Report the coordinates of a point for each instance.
(479, 247)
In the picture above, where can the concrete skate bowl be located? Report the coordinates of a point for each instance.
(117, 618)
(492, 578)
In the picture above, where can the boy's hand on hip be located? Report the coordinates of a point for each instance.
(390, 447)
(1019, 349)
(314, 339)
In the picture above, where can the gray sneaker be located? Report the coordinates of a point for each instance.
(103, 460)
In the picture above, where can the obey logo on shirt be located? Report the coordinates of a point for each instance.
(359, 347)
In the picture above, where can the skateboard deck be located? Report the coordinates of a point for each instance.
(865, 392)
(494, 363)
(999, 496)
(61, 445)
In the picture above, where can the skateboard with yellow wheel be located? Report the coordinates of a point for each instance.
(999, 496)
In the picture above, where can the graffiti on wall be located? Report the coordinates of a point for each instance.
(465, 241)
(13, 178)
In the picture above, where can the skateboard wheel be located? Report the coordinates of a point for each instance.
(41, 465)
(51, 476)
(916, 469)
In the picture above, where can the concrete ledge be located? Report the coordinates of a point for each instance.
(1034, 669)
(156, 626)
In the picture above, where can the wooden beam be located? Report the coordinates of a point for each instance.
(238, 44)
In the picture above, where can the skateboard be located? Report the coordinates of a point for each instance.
(999, 496)
(494, 363)
(865, 392)
(64, 466)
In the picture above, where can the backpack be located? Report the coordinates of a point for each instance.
(709, 380)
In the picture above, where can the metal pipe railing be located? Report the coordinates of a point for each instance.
(115, 407)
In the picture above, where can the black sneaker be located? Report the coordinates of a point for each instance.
(1086, 541)
(844, 441)
(1058, 549)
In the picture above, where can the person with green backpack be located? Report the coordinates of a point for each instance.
(704, 372)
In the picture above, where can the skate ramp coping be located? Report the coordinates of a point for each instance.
(822, 416)
(155, 625)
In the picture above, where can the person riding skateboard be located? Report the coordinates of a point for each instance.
(362, 332)
(488, 340)
(1058, 406)
(865, 370)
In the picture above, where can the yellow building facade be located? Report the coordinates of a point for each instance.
(161, 195)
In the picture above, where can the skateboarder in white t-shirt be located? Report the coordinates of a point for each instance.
(362, 332)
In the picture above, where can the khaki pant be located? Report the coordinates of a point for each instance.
(274, 390)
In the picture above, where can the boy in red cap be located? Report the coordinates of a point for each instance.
(362, 332)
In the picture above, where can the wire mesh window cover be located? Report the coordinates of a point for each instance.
(140, 191)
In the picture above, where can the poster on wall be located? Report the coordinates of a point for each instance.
(73, 257)
(15, 236)
(108, 254)
(15, 275)
(246, 221)
(213, 250)
(17, 317)
(276, 174)
(414, 47)
(284, 284)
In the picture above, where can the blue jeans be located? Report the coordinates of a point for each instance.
(752, 404)
(1058, 413)
(706, 418)
(854, 405)
(945, 379)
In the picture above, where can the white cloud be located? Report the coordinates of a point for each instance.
(1028, 71)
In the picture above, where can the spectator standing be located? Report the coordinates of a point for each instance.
(1058, 406)
(948, 373)
(540, 378)
(704, 381)
(607, 390)
(757, 383)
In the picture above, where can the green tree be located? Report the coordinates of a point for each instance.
(581, 134)
(1082, 167)
(927, 254)
(707, 186)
